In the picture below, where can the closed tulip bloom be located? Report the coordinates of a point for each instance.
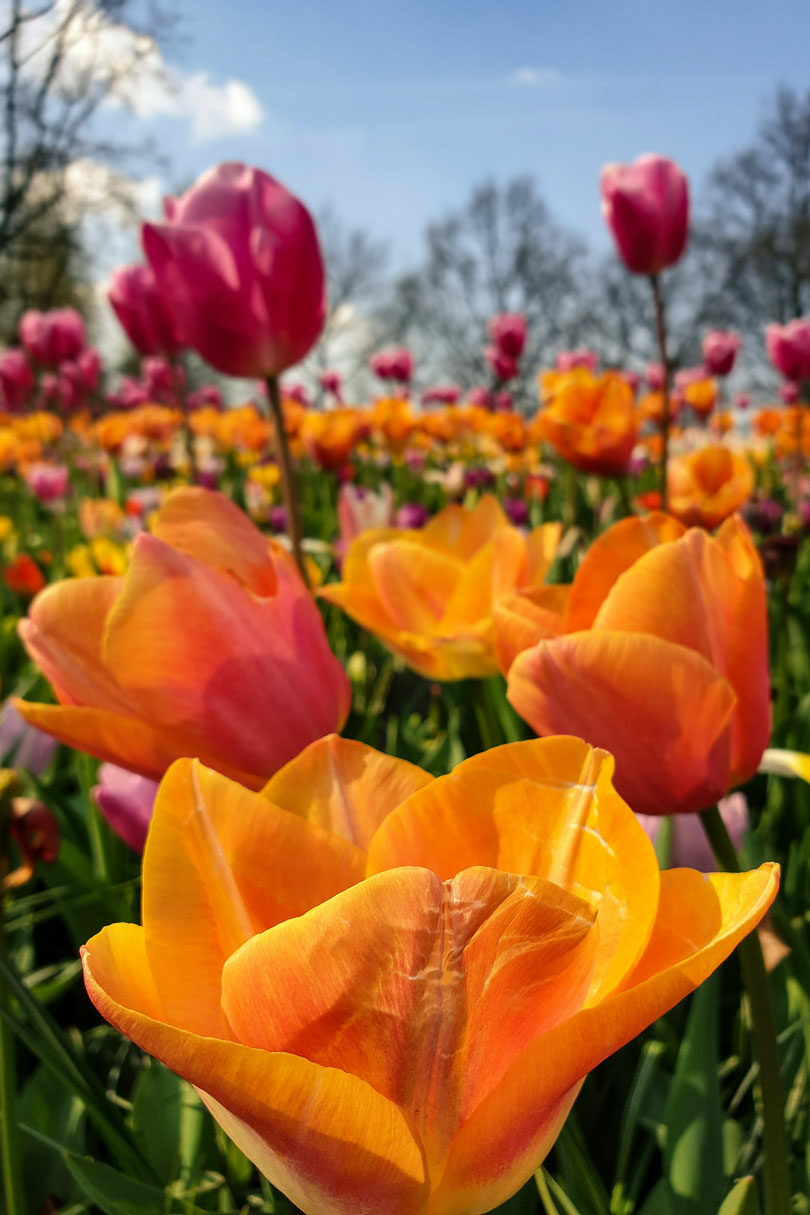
(720, 351)
(52, 337)
(503, 366)
(16, 380)
(463, 989)
(658, 653)
(708, 485)
(239, 265)
(332, 381)
(89, 368)
(700, 394)
(567, 360)
(144, 311)
(428, 593)
(126, 800)
(789, 349)
(508, 332)
(646, 208)
(591, 421)
(654, 375)
(209, 646)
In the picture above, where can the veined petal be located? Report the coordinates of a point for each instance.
(221, 864)
(323, 1136)
(523, 619)
(498, 567)
(507, 1136)
(545, 807)
(662, 711)
(345, 787)
(414, 583)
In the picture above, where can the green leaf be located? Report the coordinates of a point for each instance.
(51, 1105)
(694, 1148)
(742, 1200)
(114, 1192)
(169, 1119)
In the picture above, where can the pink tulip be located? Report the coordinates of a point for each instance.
(16, 380)
(654, 375)
(297, 392)
(52, 337)
(503, 367)
(89, 365)
(504, 402)
(48, 482)
(207, 397)
(441, 394)
(396, 364)
(361, 510)
(508, 332)
(632, 378)
(646, 208)
(742, 400)
(126, 800)
(239, 265)
(789, 349)
(480, 397)
(331, 381)
(720, 351)
(143, 311)
(690, 849)
(21, 745)
(689, 375)
(129, 394)
(567, 360)
(789, 392)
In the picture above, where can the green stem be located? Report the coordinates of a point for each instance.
(9, 1128)
(776, 1166)
(487, 726)
(661, 334)
(289, 490)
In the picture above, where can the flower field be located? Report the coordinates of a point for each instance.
(406, 802)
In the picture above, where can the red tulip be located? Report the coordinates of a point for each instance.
(142, 310)
(503, 366)
(508, 332)
(16, 380)
(789, 349)
(239, 265)
(720, 351)
(646, 207)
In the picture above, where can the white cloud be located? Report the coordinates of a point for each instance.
(534, 78)
(131, 67)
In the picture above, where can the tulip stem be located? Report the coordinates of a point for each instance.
(661, 333)
(289, 489)
(776, 1166)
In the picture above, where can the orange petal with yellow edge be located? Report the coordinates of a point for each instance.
(324, 1137)
(221, 864)
(461, 532)
(345, 786)
(511, 1127)
(691, 593)
(609, 556)
(545, 807)
(414, 583)
(426, 990)
(209, 526)
(523, 619)
(497, 568)
(662, 711)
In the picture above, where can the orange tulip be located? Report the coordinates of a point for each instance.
(428, 594)
(591, 421)
(708, 485)
(659, 653)
(209, 646)
(329, 438)
(386, 988)
(701, 395)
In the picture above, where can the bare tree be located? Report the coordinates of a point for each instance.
(60, 62)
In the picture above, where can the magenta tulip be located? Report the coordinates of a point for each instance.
(789, 349)
(126, 800)
(143, 311)
(16, 380)
(646, 208)
(52, 337)
(508, 332)
(239, 265)
(396, 364)
(720, 351)
(332, 381)
(89, 365)
(567, 360)
(441, 394)
(502, 366)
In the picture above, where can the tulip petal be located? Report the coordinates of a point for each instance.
(191, 646)
(357, 593)
(523, 619)
(700, 919)
(221, 864)
(426, 990)
(786, 763)
(63, 634)
(545, 807)
(609, 556)
(707, 595)
(460, 532)
(345, 787)
(414, 583)
(541, 549)
(210, 527)
(497, 568)
(662, 710)
(324, 1137)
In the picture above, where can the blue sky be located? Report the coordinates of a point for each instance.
(392, 111)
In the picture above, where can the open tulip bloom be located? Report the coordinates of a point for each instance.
(388, 988)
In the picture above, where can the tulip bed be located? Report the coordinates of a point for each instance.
(423, 809)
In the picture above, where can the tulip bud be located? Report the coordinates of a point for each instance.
(789, 349)
(720, 352)
(508, 332)
(646, 208)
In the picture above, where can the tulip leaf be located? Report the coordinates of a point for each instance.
(693, 1152)
(742, 1199)
(113, 1192)
(170, 1120)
